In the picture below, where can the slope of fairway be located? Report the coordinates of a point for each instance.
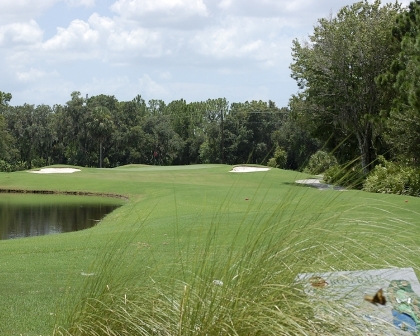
(178, 219)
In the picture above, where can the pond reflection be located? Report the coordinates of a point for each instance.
(25, 216)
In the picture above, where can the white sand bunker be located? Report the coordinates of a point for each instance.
(317, 184)
(244, 169)
(55, 171)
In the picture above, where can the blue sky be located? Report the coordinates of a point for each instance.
(160, 49)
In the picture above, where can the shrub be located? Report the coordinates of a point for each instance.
(320, 162)
(11, 167)
(279, 160)
(347, 175)
(38, 162)
(393, 178)
(5, 167)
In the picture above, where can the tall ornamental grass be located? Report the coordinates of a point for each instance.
(242, 283)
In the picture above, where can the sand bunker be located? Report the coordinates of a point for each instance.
(317, 184)
(55, 171)
(247, 169)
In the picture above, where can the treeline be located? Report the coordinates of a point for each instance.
(101, 131)
(359, 101)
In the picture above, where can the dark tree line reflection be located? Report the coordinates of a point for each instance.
(18, 221)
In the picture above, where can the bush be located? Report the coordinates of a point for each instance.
(279, 160)
(5, 167)
(38, 162)
(11, 167)
(347, 175)
(320, 162)
(393, 178)
(272, 163)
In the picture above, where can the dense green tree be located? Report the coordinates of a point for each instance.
(336, 73)
(5, 99)
(127, 136)
(402, 79)
(187, 121)
(101, 131)
(32, 133)
(156, 107)
(42, 135)
(59, 128)
(212, 149)
(161, 143)
(7, 149)
(100, 126)
(19, 124)
(295, 140)
(77, 140)
(238, 144)
(249, 127)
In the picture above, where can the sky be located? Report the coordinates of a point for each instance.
(160, 49)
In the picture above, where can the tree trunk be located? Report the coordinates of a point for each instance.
(366, 148)
(100, 154)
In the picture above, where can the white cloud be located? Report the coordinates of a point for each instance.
(106, 85)
(33, 75)
(80, 3)
(123, 86)
(264, 8)
(293, 13)
(165, 75)
(20, 33)
(245, 39)
(103, 38)
(184, 14)
(77, 36)
(136, 40)
(137, 8)
(22, 10)
(102, 23)
(168, 49)
(151, 88)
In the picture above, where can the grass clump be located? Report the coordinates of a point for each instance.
(242, 281)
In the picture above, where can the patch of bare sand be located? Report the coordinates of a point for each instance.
(245, 169)
(316, 183)
(55, 171)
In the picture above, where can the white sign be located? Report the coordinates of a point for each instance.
(380, 302)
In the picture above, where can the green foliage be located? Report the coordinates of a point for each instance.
(339, 100)
(86, 131)
(393, 178)
(5, 166)
(295, 140)
(279, 160)
(320, 162)
(12, 166)
(5, 98)
(347, 175)
(402, 130)
(38, 162)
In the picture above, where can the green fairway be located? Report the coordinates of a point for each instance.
(185, 223)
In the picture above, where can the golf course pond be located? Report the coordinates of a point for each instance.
(26, 215)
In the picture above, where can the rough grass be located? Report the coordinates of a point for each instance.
(151, 263)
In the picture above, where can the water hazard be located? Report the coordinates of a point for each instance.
(24, 215)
